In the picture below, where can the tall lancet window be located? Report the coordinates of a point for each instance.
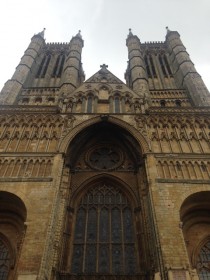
(165, 65)
(203, 263)
(4, 261)
(116, 104)
(104, 233)
(43, 66)
(90, 104)
(150, 66)
(58, 68)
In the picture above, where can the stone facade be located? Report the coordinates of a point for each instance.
(100, 179)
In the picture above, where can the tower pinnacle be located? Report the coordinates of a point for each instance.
(130, 33)
(167, 29)
(79, 34)
(42, 33)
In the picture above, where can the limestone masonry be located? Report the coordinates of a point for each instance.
(102, 180)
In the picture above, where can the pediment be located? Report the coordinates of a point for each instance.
(104, 76)
(104, 81)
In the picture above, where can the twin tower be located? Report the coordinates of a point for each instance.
(151, 66)
(101, 179)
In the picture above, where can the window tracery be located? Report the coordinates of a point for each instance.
(4, 261)
(104, 233)
(104, 157)
(203, 263)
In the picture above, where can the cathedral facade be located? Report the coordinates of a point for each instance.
(101, 179)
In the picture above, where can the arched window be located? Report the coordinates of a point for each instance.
(165, 65)
(58, 68)
(203, 263)
(90, 104)
(4, 261)
(162, 103)
(178, 103)
(162, 65)
(43, 66)
(195, 217)
(117, 104)
(147, 67)
(104, 234)
(150, 67)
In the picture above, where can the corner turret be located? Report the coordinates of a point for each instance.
(12, 87)
(136, 77)
(73, 74)
(184, 71)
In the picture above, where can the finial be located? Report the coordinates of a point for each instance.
(79, 34)
(130, 33)
(104, 70)
(167, 29)
(41, 33)
(104, 66)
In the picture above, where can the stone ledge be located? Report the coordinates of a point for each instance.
(16, 179)
(186, 181)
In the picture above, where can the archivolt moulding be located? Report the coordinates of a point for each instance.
(132, 130)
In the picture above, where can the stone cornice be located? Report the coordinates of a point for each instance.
(183, 181)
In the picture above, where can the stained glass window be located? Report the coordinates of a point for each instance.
(4, 261)
(104, 233)
(203, 264)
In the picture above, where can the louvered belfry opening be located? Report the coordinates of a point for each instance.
(102, 237)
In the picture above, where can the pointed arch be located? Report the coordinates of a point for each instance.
(104, 228)
(12, 218)
(114, 180)
(195, 217)
(143, 142)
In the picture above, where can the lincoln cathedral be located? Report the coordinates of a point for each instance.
(101, 179)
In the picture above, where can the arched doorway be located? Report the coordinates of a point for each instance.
(12, 218)
(108, 226)
(195, 216)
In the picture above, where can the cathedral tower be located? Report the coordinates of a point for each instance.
(101, 179)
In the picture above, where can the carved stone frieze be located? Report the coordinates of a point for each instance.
(25, 167)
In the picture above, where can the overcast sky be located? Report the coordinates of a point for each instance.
(104, 25)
